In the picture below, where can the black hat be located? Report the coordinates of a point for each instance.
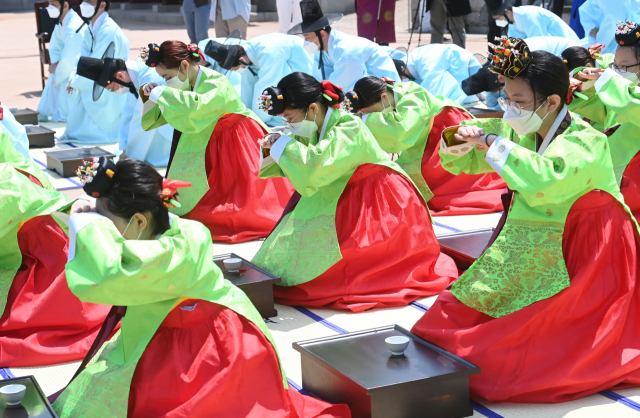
(96, 176)
(98, 70)
(483, 80)
(313, 19)
(498, 7)
(227, 56)
(627, 33)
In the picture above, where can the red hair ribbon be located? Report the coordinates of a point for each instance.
(169, 190)
(595, 50)
(330, 92)
(575, 87)
(388, 80)
(195, 51)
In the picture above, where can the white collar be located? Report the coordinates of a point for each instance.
(249, 52)
(515, 21)
(99, 21)
(67, 17)
(330, 43)
(553, 130)
(133, 74)
(324, 125)
(198, 78)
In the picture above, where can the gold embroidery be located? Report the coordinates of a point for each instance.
(501, 148)
(549, 212)
(454, 151)
(449, 164)
(516, 162)
(496, 158)
(540, 195)
(465, 149)
(589, 181)
(576, 172)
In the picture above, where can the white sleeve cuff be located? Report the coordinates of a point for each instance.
(278, 148)
(364, 118)
(586, 85)
(499, 152)
(457, 150)
(606, 76)
(76, 222)
(155, 93)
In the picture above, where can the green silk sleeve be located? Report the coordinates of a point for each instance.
(623, 98)
(592, 108)
(152, 117)
(312, 167)
(110, 270)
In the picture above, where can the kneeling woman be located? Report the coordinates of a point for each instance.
(550, 311)
(214, 146)
(407, 119)
(190, 344)
(41, 321)
(360, 235)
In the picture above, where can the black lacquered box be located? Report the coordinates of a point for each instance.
(254, 281)
(358, 369)
(41, 137)
(465, 247)
(25, 116)
(33, 405)
(65, 162)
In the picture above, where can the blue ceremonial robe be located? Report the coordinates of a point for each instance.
(97, 122)
(151, 146)
(64, 48)
(15, 130)
(605, 15)
(272, 56)
(350, 58)
(552, 44)
(535, 21)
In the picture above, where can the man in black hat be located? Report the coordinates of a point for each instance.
(488, 82)
(340, 58)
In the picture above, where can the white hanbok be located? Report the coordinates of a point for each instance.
(15, 130)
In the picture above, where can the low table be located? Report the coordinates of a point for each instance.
(465, 247)
(255, 282)
(41, 137)
(65, 162)
(34, 404)
(358, 369)
(482, 113)
(25, 116)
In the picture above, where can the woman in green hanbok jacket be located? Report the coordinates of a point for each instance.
(407, 120)
(550, 311)
(190, 343)
(214, 146)
(613, 102)
(357, 233)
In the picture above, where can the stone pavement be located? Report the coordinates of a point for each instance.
(19, 60)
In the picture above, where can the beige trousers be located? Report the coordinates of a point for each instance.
(225, 27)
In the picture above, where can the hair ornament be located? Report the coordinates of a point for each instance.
(151, 55)
(627, 33)
(169, 191)
(194, 50)
(352, 102)
(509, 57)
(389, 81)
(96, 176)
(271, 101)
(330, 92)
(575, 89)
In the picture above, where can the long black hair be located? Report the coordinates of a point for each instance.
(547, 75)
(370, 89)
(136, 189)
(301, 90)
(577, 56)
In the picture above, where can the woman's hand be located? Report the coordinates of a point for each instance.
(473, 135)
(69, 88)
(268, 140)
(589, 74)
(146, 89)
(594, 32)
(82, 206)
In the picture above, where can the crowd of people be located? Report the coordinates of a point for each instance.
(338, 152)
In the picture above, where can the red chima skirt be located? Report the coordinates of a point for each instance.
(239, 205)
(630, 186)
(464, 194)
(390, 254)
(576, 343)
(43, 322)
(209, 361)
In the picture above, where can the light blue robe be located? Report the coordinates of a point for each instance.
(552, 44)
(273, 56)
(97, 122)
(351, 58)
(605, 14)
(16, 131)
(64, 48)
(151, 146)
(533, 21)
(441, 68)
(234, 78)
(231, 9)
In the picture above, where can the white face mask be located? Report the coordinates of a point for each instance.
(87, 10)
(311, 47)
(306, 128)
(387, 109)
(241, 69)
(125, 230)
(528, 121)
(121, 91)
(53, 11)
(632, 77)
(176, 83)
(502, 23)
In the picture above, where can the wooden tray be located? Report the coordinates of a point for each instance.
(34, 404)
(255, 282)
(41, 137)
(65, 162)
(358, 369)
(465, 247)
(25, 116)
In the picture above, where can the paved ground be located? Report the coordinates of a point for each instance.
(20, 83)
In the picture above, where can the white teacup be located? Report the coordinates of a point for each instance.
(87, 150)
(232, 264)
(397, 344)
(13, 394)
